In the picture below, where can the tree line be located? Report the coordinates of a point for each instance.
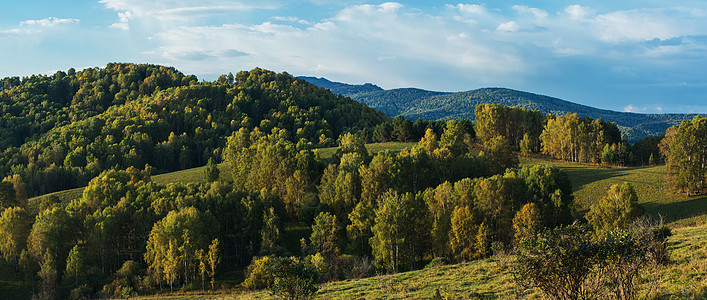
(567, 137)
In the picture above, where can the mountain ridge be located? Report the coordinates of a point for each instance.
(415, 103)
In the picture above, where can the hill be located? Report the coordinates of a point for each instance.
(341, 88)
(428, 105)
(59, 131)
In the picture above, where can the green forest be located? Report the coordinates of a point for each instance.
(273, 213)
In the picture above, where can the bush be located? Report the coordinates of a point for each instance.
(258, 275)
(294, 279)
(557, 262)
(437, 261)
(574, 263)
(80, 293)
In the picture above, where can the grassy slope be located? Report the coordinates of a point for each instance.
(591, 182)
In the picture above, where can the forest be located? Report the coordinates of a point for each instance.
(456, 194)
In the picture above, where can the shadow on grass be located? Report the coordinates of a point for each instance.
(581, 175)
(677, 211)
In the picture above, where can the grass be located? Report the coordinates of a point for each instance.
(326, 153)
(590, 183)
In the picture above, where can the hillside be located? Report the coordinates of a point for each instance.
(59, 131)
(421, 104)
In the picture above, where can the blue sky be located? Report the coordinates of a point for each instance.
(641, 56)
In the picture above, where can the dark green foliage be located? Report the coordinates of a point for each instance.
(211, 173)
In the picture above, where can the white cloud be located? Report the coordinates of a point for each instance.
(399, 44)
(634, 109)
(538, 13)
(471, 8)
(511, 26)
(48, 22)
(36, 26)
(176, 11)
(578, 12)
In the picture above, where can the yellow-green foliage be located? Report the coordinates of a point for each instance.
(615, 210)
(463, 233)
(527, 222)
(258, 276)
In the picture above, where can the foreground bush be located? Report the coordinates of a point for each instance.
(286, 277)
(572, 262)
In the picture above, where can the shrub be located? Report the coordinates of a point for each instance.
(574, 263)
(294, 279)
(437, 261)
(615, 210)
(557, 262)
(258, 275)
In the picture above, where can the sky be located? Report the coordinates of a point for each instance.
(641, 56)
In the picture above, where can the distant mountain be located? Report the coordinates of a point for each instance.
(341, 88)
(421, 104)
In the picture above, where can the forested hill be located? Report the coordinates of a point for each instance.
(341, 88)
(59, 131)
(421, 104)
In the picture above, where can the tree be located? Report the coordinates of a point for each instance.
(399, 232)
(20, 191)
(75, 265)
(214, 259)
(525, 145)
(557, 261)
(174, 242)
(48, 275)
(615, 210)
(402, 129)
(293, 278)
(325, 238)
(685, 151)
(50, 233)
(482, 241)
(362, 219)
(351, 143)
(270, 233)
(500, 155)
(429, 141)
(15, 225)
(462, 237)
(607, 156)
(455, 138)
(7, 195)
(527, 222)
(211, 173)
